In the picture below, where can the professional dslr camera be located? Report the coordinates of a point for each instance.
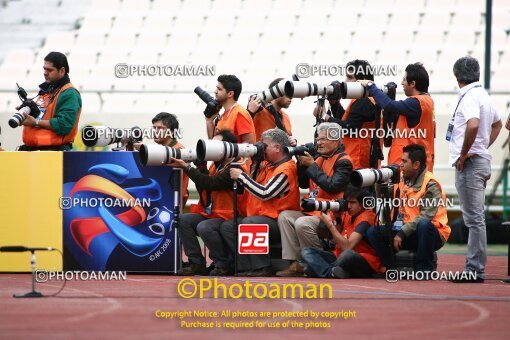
(217, 151)
(367, 177)
(28, 106)
(300, 150)
(212, 104)
(153, 154)
(311, 204)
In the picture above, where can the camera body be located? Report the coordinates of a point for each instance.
(367, 177)
(300, 150)
(28, 106)
(348, 90)
(157, 155)
(212, 104)
(311, 204)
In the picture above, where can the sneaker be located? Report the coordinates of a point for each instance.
(193, 269)
(339, 273)
(222, 271)
(294, 270)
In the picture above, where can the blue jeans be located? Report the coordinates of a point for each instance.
(425, 241)
(320, 263)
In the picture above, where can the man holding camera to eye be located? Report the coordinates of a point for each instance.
(360, 114)
(60, 105)
(206, 217)
(421, 223)
(271, 116)
(353, 256)
(414, 116)
(274, 189)
(234, 117)
(326, 178)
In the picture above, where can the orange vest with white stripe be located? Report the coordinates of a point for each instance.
(274, 206)
(426, 124)
(264, 120)
(33, 136)
(411, 211)
(362, 248)
(358, 148)
(328, 166)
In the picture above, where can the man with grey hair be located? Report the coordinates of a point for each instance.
(475, 125)
(274, 190)
(326, 178)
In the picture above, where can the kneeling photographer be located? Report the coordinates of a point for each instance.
(421, 221)
(52, 121)
(274, 189)
(204, 220)
(353, 256)
(326, 178)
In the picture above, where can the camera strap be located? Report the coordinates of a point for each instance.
(277, 118)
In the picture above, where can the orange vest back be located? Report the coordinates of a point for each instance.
(328, 166)
(425, 126)
(362, 248)
(33, 136)
(228, 121)
(264, 120)
(412, 210)
(358, 148)
(272, 208)
(222, 201)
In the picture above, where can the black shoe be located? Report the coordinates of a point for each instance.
(222, 271)
(193, 269)
(263, 272)
(243, 273)
(507, 280)
(339, 273)
(468, 279)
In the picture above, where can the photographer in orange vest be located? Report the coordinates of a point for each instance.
(60, 105)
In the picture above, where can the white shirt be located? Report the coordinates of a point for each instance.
(475, 103)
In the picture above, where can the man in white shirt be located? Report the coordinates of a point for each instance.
(474, 127)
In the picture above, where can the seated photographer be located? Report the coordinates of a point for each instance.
(421, 216)
(416, 113)
(353, 256)
(274, 189)
(360, 114)
(204, 220)
(234, 117)
(59, 103)
(326, 178)
(272, 115)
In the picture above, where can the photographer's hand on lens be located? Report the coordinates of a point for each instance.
(326, 219)
(292, 141)
(397, 243)
(254, 105)
(178, 163)
(29, 120)
(306, 160)
(335, 96)
(235, 173)
(364, 82)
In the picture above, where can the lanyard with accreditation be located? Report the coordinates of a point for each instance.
(450, 126)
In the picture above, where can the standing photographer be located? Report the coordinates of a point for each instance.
(204, 220)
(326, 178)
(415, 114)
(274, 189)
(353, 256)
(421, 215)
(60, 105)
(234, 117)
(360, 114)
(271, 116)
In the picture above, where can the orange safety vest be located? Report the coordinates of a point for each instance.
(33, 136)
(328, 166)
(228, 121)
(221, 201)
(358, 148)
(264, 120)
(411, 211)
(348, 226)
(426, 124)
(272, 208)
(185, 179)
